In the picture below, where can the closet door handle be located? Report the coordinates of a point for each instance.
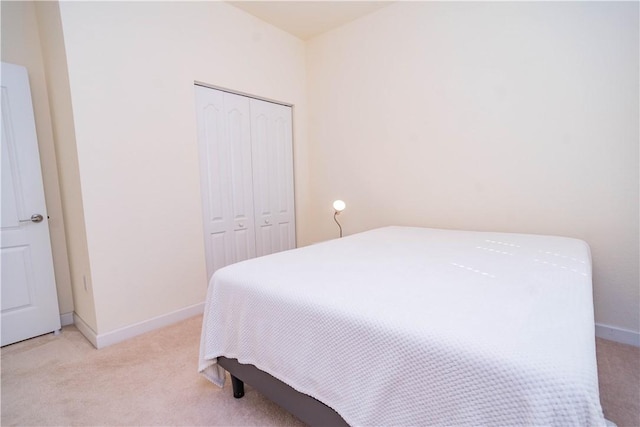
(266, 221)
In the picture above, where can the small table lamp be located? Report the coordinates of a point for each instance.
(338, 206)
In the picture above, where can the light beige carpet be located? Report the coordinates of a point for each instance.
(152, 380)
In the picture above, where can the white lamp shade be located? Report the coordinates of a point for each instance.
(339, 205)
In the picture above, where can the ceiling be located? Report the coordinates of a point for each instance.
(306, 19)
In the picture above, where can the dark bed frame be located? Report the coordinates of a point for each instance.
(302, 406)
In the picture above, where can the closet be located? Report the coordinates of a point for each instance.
(246, 170)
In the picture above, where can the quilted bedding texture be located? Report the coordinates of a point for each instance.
(417, 326)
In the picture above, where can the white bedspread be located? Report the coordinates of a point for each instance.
(414, 326)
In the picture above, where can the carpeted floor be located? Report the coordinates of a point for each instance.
(151, 380)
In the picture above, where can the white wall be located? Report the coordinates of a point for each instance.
(57, 76)
(506, 116)
(131, 68)
(490, 116)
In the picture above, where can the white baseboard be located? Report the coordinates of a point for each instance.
(66, 319)
(85, 330)
(122, 334)
(623, 336)
(103, 340)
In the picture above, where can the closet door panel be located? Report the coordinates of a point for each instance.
(224, 138)
(238, 118)
(215, 173)
(238, 140)
(273, 176)
(285, 236)
(266, 244)
(219, 249)
(263, 181)
(283, 198)
(244, 245)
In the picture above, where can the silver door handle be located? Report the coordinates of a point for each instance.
(34, 218)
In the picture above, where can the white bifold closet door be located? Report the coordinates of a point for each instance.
(272, 177)
(246, 167)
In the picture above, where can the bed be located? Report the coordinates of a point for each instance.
(412, 326)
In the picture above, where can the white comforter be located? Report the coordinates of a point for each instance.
(414, 326)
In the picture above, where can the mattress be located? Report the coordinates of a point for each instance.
(417, 326)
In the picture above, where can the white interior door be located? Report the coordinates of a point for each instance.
(224, 138)
(272, 157)
(29, 299)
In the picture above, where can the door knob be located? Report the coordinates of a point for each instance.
(266, 221)
(34, 218)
